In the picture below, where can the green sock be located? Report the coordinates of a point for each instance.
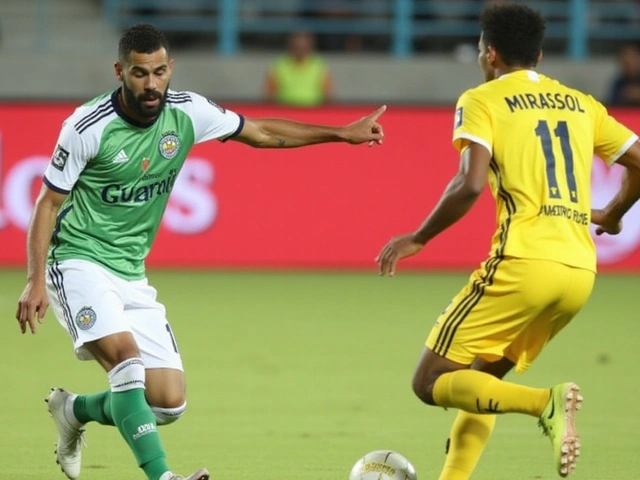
(137, 425)
(95, 407)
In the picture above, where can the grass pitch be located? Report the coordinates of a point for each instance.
(296, 375)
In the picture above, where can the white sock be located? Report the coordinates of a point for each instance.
(68, 411)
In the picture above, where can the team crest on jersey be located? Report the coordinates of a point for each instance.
(169, 145)
(86, 318)
(59, 159)
(457, 123)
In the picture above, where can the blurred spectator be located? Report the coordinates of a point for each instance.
(625, 90)
(300, 77)
(339, 12)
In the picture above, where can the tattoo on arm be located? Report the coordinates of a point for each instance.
(281, 143)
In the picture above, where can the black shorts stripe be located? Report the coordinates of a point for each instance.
(461, 310)
(466, 305)
(57, 279)
(486, 281)
(97, 111)
(106, 113)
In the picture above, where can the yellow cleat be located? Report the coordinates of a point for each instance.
(557, 422)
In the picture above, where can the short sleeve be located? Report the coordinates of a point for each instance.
(611, 138)
(211, 121)
(472, 122)
(68, 160)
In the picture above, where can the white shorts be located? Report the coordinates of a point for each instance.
(91, 303)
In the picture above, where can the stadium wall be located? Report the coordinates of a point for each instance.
(326, 206)
(433, 79)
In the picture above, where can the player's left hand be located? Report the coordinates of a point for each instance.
(367, 129)
(605, 223)
(396, 249)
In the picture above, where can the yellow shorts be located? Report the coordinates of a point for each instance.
(510, 308)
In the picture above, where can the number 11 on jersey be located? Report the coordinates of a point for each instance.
(562, 133)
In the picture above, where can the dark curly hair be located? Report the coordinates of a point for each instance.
(515, 31)
(142, 38)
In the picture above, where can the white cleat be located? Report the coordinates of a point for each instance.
(201, 474)
(70, 434)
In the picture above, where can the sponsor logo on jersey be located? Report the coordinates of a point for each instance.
(59, 159)
(457, 123)
(145, 164)
(86, 318)
(115, 193)
(121, 157)
(222, 110)
(169, 145)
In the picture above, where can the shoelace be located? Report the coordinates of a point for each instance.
(78, 440)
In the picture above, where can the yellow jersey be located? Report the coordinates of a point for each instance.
(542, 137)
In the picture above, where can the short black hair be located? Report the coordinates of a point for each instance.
(515, 31)
(142, 38)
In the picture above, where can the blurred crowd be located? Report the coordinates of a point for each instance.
(455, 20)
(301, 76)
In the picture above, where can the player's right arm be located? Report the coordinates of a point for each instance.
(71, 155)
(33, 300)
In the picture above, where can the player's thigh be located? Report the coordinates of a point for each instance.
(497, 303)
(526, 347)
(158, 346)
(86, 303)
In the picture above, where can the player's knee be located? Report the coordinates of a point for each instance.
(166, 416)
(423, 389)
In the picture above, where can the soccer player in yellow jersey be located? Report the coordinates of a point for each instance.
(533, 139)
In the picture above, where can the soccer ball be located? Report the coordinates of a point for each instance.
(383, 465)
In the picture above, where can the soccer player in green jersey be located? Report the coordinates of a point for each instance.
(100, 207)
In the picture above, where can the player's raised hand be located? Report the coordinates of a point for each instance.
(606, 223)
(367, 129)
(33, 304)
(396, 249)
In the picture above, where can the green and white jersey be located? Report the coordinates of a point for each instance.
(119, 174)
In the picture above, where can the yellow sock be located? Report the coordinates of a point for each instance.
(469, 435)
(479, 392)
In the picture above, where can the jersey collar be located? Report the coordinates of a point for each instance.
(531, 75)
(116, 106)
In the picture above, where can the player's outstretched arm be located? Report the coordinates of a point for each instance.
(458, 198)
(34, 297)
(285, 133)
(609, 219)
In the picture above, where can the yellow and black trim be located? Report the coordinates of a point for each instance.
(455, 318)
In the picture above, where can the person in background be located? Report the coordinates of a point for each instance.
(299, 78)
(625, 89)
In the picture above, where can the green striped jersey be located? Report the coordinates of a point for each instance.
(118, 174)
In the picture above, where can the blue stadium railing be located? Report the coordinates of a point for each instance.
(401, 21)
